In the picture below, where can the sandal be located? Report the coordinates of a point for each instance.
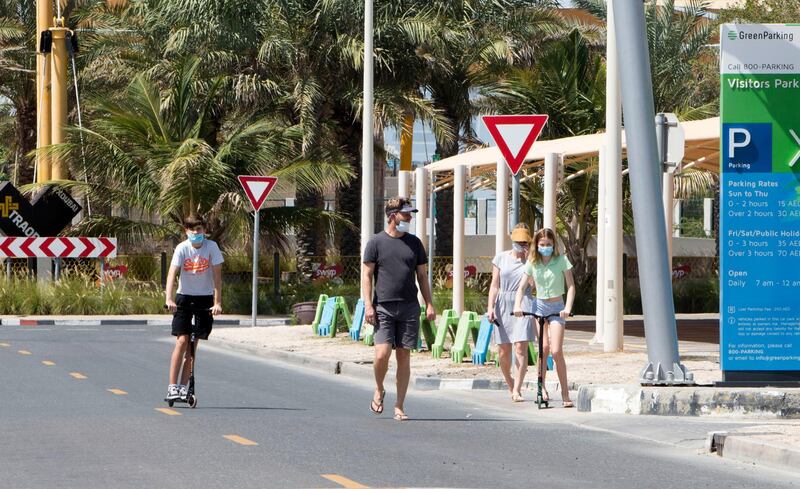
(568, 404)
(517, 398)
(545, 395)
(377, 407)
(400, 417)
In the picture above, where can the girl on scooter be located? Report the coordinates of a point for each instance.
(550, 273)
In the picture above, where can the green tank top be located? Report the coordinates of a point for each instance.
(549, 279)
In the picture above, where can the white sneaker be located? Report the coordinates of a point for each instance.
(173, 392)
(183, 390)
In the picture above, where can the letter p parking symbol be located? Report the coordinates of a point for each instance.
(741, 142)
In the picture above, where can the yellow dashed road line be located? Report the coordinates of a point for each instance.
(118, 392)
(48, 363)
(168, 412)
(344, 481)
(24, 352)
(77, 375)
(241, 441)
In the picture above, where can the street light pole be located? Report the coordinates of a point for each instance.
(655, 281)
(367, 170)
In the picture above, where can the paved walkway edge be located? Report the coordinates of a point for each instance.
(746, 448)
(365, 372)
(166, 321)
(765, 403)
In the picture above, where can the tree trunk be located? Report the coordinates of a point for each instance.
(348, 197)
(26, 140)
(379, 169)
(311, 239)
(444, 206)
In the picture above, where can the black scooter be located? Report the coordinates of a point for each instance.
(190, 398)
(540, 366)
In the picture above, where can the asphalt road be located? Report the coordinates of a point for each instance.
(83, 408)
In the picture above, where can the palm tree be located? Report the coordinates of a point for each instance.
(679, 44)
(18, 81)
(167, 151)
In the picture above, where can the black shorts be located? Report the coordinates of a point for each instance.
(193, 305)
(398, 324)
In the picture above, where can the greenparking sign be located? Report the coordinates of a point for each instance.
(760, 203)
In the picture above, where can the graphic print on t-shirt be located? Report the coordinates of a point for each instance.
(196, 265)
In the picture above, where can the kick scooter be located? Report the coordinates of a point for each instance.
(540, 366)
(190, 398)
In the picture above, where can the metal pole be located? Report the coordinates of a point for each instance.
(367, 170)
(551, 162)
(659, 312)
(501, 207)
(515, 200)
(255, 267)
(59, 57)
(459, 184)
(601, 241)
(44, 21)
(667, 183)
(432, 235)
(612, 250)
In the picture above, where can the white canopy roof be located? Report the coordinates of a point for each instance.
(702, 150)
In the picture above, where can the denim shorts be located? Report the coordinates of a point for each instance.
(545, 308)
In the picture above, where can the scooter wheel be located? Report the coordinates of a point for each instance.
(191, 401)
(170, 403)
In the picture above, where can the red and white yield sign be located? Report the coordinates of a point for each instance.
(515, 135)
(58, 247)
(257, 188)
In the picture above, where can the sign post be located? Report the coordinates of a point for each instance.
(514, 136)
(760, 205)
(256, 188)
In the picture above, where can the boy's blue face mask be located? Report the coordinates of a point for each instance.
(195, 238)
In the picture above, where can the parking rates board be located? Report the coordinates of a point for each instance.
(760, 202)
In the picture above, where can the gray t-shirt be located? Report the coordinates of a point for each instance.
(195, 264)
(396, 261)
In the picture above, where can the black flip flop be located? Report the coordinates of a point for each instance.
(379, 408)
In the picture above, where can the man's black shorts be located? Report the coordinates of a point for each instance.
(398, 324)
(193, 305)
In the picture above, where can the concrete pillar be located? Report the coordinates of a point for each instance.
(404, 183)
(501, 207)
(612, 250)
(421, 198)
(459, 186)
(551, 162)
(676, 218)
(601, 230)
(708, 213)
(367, 156)
(668, 192)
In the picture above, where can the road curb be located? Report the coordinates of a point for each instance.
(765, 403)
(167, 321)
(746, 447)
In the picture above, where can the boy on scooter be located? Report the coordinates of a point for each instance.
(199, 294)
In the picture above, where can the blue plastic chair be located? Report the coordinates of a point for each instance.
(481, 350)
(326, 322)
(358, 321)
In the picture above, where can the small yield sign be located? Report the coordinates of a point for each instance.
(515, 135)
(257, 189)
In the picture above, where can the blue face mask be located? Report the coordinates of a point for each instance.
(196, 238)
(545, 250)
(403, 226)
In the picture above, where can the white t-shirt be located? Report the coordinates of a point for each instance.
(195, 264)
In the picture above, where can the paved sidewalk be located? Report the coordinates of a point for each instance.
(773, 445)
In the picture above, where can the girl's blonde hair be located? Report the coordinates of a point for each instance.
(533, 254)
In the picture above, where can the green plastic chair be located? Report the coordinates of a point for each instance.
(468, 325)
(320, 306)
(448, 320)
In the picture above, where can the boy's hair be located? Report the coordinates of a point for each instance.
(192, 222)
(533, 254)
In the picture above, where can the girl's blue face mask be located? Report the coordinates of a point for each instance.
(545, 250)
(196, 238)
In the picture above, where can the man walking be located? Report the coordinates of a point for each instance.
(393, 259)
